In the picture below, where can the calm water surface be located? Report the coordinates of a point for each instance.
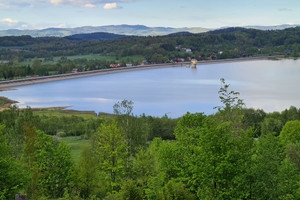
(270, 85)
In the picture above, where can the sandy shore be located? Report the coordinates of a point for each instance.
(7, 84)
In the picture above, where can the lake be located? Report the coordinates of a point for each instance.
(269, 85)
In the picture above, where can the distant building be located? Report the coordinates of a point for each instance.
(194, 61)
(74, 70)
(113, 65)
(220, 52)
(128, 65)
(188, 50)
(119, 64)
(180, 60)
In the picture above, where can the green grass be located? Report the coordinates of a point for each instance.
(88, 57)
(56, 59)
(57, 112)
(76, 144)
(91, 57)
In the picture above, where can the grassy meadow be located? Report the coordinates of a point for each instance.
(76, 144)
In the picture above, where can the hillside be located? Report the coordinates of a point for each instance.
(96, 36)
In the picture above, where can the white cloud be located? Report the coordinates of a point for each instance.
(9, 21)
(110, 6)
(290, 23)
(89, 5)
(61, 26)
(24, 26)
(56, 2)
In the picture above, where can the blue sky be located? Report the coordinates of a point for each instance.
(38, 14)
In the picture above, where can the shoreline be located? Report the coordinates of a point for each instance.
(6, 85)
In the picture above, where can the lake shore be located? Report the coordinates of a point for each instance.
(4, 85)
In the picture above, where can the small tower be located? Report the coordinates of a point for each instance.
(194, 63)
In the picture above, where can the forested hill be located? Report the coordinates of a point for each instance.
(232, 42)
(96, 36)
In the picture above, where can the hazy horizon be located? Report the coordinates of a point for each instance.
(41, 14)
(43, 28)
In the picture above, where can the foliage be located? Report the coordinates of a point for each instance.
(290, 132)
(232, 110)
(111, 153)
(51, 166)
(135, 129)
(196, 156)
(85, 177)
(176, 191)
(13, 174)
(275, 177)
(229, 99)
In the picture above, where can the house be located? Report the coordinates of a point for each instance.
(113, 65)
(128, 65)
(74, 70)
(188, 50)
(180, 60)
(119, 64)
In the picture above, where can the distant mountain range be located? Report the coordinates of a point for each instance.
(137, 30)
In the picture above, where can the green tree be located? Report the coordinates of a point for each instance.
(176, 191)
(36, 65)
(229, 99)
(135, 129)
(85, 176)
(129, 190)
(52, 164)
(271, 125)
(232, 108)
(290, 132)
(13, 174)
(213, 160)
(275, 176)
(110, 150)
(293, 152)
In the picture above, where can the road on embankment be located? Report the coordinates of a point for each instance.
(43, 79)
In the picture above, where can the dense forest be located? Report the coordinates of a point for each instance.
(236, 153)
(24, 55)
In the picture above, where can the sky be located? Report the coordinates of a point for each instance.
(39, 14)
